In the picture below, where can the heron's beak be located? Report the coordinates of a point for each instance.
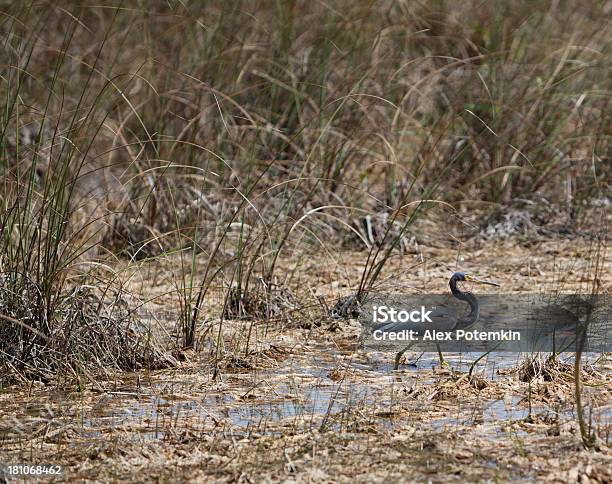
(480, 281)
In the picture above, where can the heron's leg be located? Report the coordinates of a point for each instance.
(399, 356)
(442, 360)
(397, 359)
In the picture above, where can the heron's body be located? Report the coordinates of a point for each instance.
(443, 319)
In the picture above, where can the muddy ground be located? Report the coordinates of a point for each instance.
(301, 401)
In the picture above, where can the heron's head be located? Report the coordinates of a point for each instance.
(462, 276)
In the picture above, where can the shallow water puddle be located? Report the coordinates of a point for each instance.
(304, 392)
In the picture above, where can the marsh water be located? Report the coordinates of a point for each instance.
(320, 390)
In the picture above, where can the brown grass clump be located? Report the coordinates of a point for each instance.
(260, 303)
(255, 359)
(547, 369)
(79, 332)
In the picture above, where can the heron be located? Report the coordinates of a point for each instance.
(443, 319)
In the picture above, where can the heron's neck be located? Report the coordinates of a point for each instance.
(469, 298)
